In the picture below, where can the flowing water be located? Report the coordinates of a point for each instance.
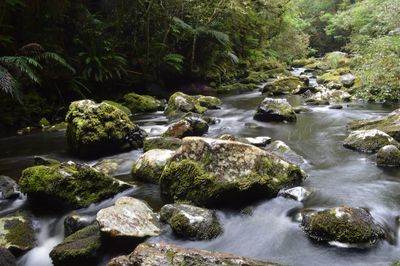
(337, 176)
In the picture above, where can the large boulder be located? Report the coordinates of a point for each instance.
(190, 221)
(80, 248)
(167, 143)
(278, 110)
(95, 129)
(156, 254)
(285, 85)
(16, 233)
(369, 141)
(8, 188)
(69, 185)
(388, 156)
(209, 171)
(142, 103)
(282, 150)
(129, 218)
(188, 126)
(389, 124)
(180, 103)
(150, 165)
(120, 107)
(7, 258)
(344, 225)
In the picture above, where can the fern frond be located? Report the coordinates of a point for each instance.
(49, 57)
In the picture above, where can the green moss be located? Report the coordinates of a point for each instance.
(389, 125)
(44, 122)
(81, 247)
(256, 77)
(180, 103)
(236, 88)
(285, 85)
(161, 143)
(141, 103)
(17, 232)
(304, 61)
(72, 186)
(120, 107)
(147, 172)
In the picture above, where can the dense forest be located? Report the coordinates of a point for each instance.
(53, 52)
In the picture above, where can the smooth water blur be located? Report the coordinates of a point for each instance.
(337, 176)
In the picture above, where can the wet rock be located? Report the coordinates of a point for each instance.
(189, 126)
(236, 88)
(285, 85)
(96, 129)
(389, 124)
(388, 156)
(347, 80)
(128, 218)
(345, 225)
(228, 137)
(7, 258)
(56, 127)
(259, 141)
(180, 103)
(8, 188)
(150, 165)
(214, 171)
(301, 109)
(282, 150)
(108, 166)
(68, 185)
(80, 248)
(190, 221)
(16, 233)
(324, 96)
(369, 141)
(75, 222)
(278, 110)
(40, 160)
(155, 254)
(167, 143)
(137, 103)
(296, 193)
(336, 107)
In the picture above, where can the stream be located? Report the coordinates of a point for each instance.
(337, 176)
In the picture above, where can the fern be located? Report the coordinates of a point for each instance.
(49, 57)
(174, 61)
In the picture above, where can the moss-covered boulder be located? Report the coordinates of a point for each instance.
(191, 222)
(154, 254)
(236, 88)
(167, 143)
(68, 185)
(282, 150)
(275, 110)
(150, 165)
(121, 107)
(96, 129)
(369, 141)
(388, 156)
(129, 218)
(285, 85)
(209, 171)
(354, 226)
(186, 127)
(180, 103)
(389, 124)
(76, 222)
(16, 233)
(137, 103)
(8, 188)
(80, 248)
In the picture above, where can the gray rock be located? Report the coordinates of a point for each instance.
(108, 166)
(388, 156)
(190, 221)
(281, 149)
(128, 218)
(347, 80)
(296, 193)
(259, 141)
(75, 222)
(369, 141)
(336, 107)
(8, 188)
(278, 110)
(189, 126)
(7, 258)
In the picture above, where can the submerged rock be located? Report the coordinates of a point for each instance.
(180, 103)
(282, 150)
(80, 248)
(68, 185)
(344, 225)
(212, 171)
(7, 258)
(16, 233)
(108, 166)
(167, 143)
(137, 103)
(388, 156)
(389, 124)
(150, 165)
(369, 141)
(75, 222)
(285, 85)
(190, 221)
(278, 110)
(128, 218)
(8, 188)
(96, 129)
(156, 254)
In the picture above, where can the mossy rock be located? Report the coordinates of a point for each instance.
(68, 185)
(304, 61)
(218, 172)
(388, 156)
(275, 110)
(97, 129)
(285, 85)
(256, 77)
(120, 107)
(369, 141)
(16, 233)
(190, 125)
(44, 123)
(343, 224)
(137, 103)
(167, 143)
(80, 248)
(236, 88)
(7, 258)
